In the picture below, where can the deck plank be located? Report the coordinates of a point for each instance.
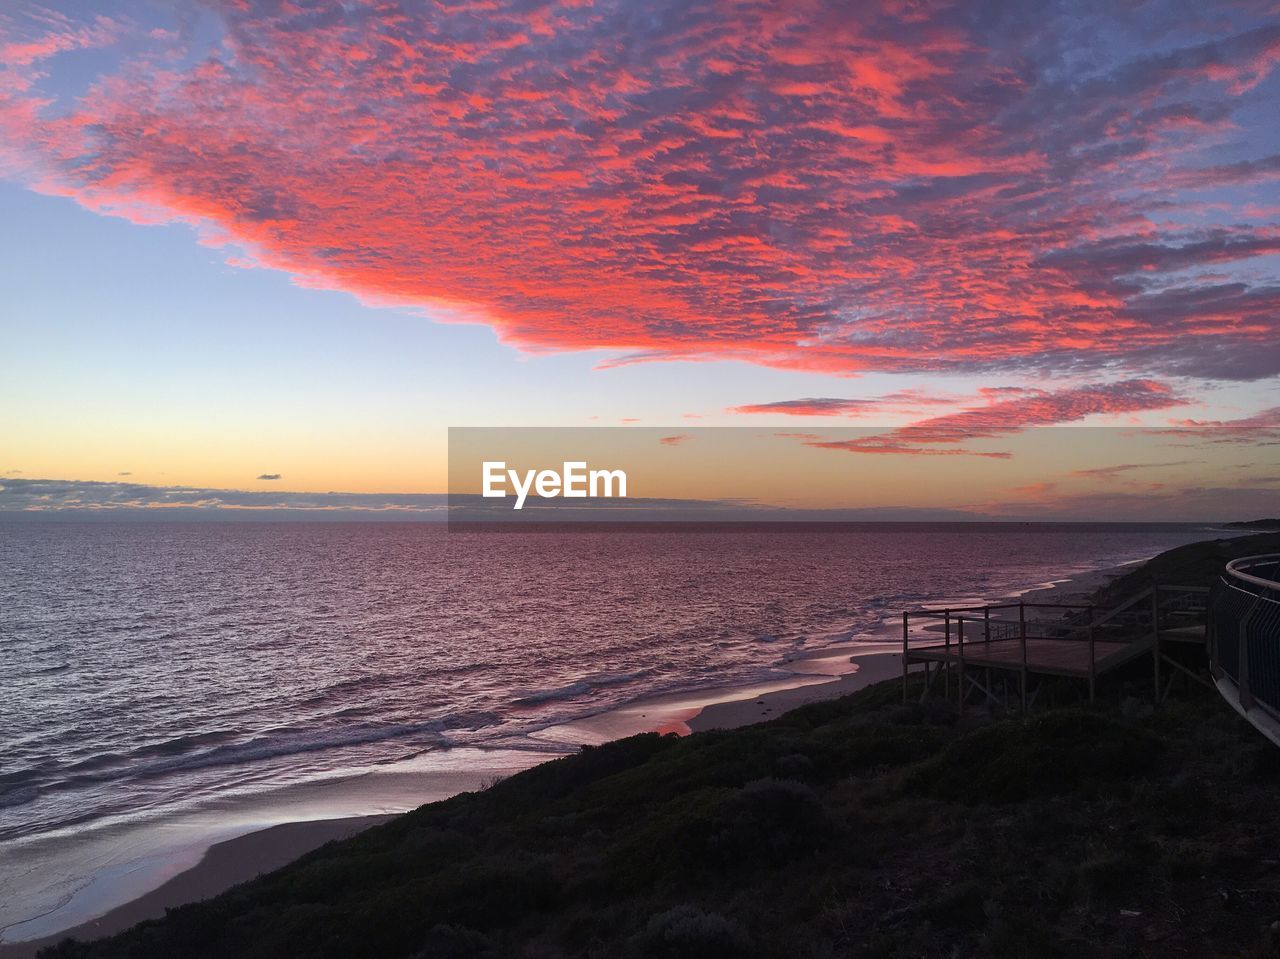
(1063, 657)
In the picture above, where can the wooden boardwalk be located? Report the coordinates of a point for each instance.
(1046, 639)
(1053, 657)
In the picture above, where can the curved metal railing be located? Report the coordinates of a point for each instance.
(1262, 571)
(1244, 639)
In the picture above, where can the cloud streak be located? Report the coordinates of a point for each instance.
(902, 401)
(1112, 473)
(1008, 410)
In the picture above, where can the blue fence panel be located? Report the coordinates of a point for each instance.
(1246, 601)
(1227, 608)
(1263, 633)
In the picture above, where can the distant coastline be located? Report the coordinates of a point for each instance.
(1258, 525)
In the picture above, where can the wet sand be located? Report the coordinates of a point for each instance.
(224, 865)
(871, 668)
(121, 866)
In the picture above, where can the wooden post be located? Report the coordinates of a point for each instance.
(905, 617)
(1093, 664)
(960, 651)
(946, 644)
(1155, 635)
(986, 638)
(1022, 632)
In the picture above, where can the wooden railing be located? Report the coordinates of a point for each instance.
(1139, 619)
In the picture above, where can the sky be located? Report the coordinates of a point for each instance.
(263, 246)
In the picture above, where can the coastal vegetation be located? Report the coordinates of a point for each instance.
(862, 826)
(1195, 564)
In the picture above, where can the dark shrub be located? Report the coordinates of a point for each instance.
(494, 893)
(456, 942)
(1046, 755)
(794, 766)
(843, 750)
(769, 820)
(686, 932)
(563, 777)
(1111, 875)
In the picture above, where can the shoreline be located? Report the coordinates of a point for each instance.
(93, 874)
(827, 673)
(223, 865)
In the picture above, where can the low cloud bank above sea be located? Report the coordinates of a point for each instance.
(52, 498)
(51, 495)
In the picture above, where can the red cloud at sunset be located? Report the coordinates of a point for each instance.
(1025, 408)
(811, 185)
(1109, 473)
(903, 400)
(1043, 408)
(1260, 429)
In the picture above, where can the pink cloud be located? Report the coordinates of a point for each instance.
(1007, 412)
(1110, 473)
(1258, 429)
(816, 186)
(851, 407)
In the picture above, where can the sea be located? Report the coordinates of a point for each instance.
(155, 670)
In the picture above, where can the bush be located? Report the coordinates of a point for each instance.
(456, 942)
(794, 766)
(494, 893)
(1048, 755)
(769, 820)
(686, 932)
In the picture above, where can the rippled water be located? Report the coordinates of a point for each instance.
(148, 666)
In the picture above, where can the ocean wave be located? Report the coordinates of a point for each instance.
(11, 798)
(275, 746)
(185, 744)
(341, 691)
(259, 749)
(580, 688)
(49, 670)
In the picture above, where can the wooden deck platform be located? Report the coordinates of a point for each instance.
(1054, 657)
(1076, 641)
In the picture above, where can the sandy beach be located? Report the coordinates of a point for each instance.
(824, 674)
(118, 875)
(223, 865)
